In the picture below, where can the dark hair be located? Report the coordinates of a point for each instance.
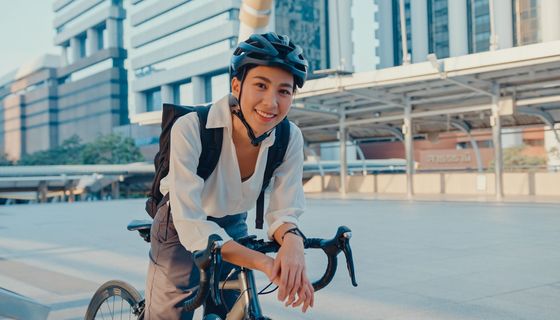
(245, 70)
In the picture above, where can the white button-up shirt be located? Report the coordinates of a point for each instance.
(192, 199)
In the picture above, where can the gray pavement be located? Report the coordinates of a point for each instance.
(414, 259)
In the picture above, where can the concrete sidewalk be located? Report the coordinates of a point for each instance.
(414, 259)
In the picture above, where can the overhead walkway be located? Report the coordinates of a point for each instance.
(42, 182)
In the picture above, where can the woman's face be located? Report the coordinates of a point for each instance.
(266, 97)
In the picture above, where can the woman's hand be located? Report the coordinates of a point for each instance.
(289, 269)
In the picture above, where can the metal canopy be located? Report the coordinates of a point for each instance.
(439, 91)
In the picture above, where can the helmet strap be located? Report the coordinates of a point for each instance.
(255, 141)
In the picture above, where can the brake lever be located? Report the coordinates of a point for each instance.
(216, 273)
(345, 247)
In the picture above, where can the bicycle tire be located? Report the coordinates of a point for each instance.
(101, 303)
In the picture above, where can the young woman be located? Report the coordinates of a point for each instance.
(265, 71)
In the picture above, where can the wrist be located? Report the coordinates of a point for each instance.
(292, 233)
(264, 263)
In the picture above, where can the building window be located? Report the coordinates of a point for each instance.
(306, 23)
(526, 22)
(153, 100)
(82, 46)
(438, 28)
(478, 15)
(534, 142)
(397, 38)
(101, 36)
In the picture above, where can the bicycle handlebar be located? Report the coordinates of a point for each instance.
(203, 259)
(212, 256)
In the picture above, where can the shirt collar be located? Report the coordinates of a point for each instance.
(220, 115)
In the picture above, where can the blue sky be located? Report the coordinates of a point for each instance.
(26, 32)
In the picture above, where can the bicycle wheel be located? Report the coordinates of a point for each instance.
(116, 300)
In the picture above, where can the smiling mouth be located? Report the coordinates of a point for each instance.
(265, 115)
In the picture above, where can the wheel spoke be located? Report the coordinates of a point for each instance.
(105, 302)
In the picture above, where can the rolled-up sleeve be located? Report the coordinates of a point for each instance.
(185, 186)
(287, 200)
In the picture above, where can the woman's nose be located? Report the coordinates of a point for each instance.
(270, 99)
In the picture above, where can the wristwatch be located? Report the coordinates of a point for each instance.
(296, 231)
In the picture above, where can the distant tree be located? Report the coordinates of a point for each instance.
(554, 153)
(4, 161)
(111, 149)
(69, 152)
(514, 159)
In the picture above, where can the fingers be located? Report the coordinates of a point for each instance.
(282, 292)
(294, 287)
(311, 296)
(301, 297)
(275, 271)
(305, 295)
(289, 273)
(294, 284)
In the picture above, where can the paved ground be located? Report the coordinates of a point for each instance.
(415, 260)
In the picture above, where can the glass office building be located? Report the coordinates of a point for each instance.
(306, 22)
(526, 22)
(438, 24)
(458, 27)
(478, 13)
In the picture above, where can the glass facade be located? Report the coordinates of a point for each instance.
(153, 100)
(526, 22)
(478, 12)
(81, 53)
(398, 51)
(306, 23)
(438, 28)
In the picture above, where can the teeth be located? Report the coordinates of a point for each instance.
(264, 114)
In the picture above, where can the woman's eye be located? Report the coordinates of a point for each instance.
(285, 92)
(260, 85)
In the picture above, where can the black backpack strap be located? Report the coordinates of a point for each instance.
(211, 140)
(275, 158)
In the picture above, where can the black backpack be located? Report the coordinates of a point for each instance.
(211, 140)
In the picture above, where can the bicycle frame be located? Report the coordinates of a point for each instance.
(247, 305)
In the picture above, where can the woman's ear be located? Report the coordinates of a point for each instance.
(235, 87)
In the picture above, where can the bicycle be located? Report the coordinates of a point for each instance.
(247, 306)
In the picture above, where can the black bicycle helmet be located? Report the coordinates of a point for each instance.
(270, 49)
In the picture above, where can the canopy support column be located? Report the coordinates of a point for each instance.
(343, 160)
(495, 121)
(409, 152)
(312, 152)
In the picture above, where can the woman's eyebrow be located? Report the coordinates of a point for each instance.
(283, 84)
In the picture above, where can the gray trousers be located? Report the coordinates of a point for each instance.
(171, 271)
